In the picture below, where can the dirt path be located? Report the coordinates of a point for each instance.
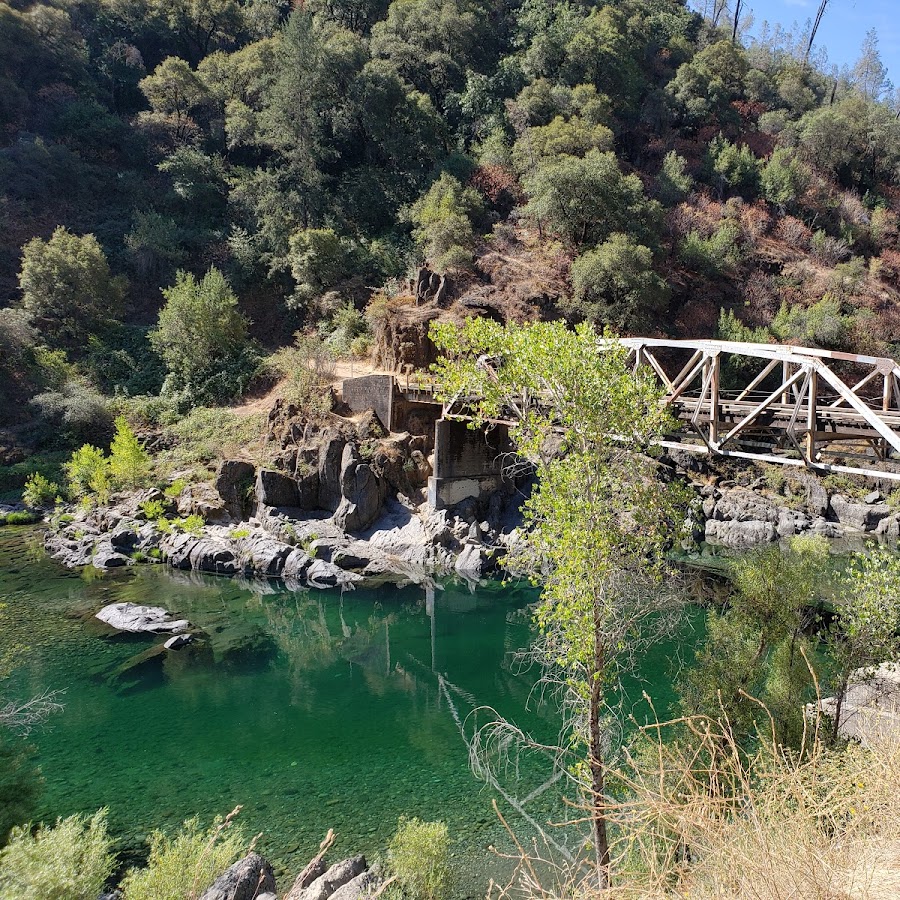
(344, 368)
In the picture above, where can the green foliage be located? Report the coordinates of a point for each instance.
(673, 183)
(19, 518)
(67, 287)
(153, 509)
(587, 199)
(443, 219)
(784, 178)
(733, 167)
(40, 492)
(186, 864)
(202, 337)
(714, 255)
(615, 285)
(193, 525)
(343, 328)
(319, 260)
(730, 328)
(755, 648)
(819, 325)
(87, 474)
(419, 857)
(81, 411)
(129, 463)
(70, 861)
(307, 368)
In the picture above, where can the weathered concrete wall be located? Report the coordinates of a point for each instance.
(467, 463)
(371, 392)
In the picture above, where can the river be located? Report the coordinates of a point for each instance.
(313, 709)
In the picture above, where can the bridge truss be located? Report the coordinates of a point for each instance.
(799, 406)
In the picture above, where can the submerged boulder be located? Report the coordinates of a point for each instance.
(136, 618)
(326, 885)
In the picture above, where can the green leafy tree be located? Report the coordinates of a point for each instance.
(202, 337)
(733, 167)
(67, 287)
(615, 285)
(87, 473)
(40, 492)
(866, 630)
(129, 463)
(587, 199)
(174, 91)
(784, 178)
(673, 183)
(443, 220)
(319, 260)
(755, 647)
(597, 523)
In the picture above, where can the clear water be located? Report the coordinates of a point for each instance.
(311, 709)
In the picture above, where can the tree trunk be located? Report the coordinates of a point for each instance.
(598, 772)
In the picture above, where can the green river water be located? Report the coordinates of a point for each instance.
(311, 709)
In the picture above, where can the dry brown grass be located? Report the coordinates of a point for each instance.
(704, 821)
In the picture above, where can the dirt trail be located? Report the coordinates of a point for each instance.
(344, 368)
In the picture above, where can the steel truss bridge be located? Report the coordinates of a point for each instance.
(799, 406)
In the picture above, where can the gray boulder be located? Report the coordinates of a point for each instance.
(234, 482)
(325, 885)
(107, 557)
(124, 539)
(264, 555)
(791, 522)
(472, 563)
(362, 493)
(740, 535)
(862, 516)
(742, 505)
(245, 880)
(331, 453)
(276, 489)
(199, 554)
(135, 618)
(361, 886)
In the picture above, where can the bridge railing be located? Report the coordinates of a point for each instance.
(783, 404)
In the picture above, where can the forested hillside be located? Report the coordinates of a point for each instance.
(186, 183)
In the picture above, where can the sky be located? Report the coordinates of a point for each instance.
(843, 28)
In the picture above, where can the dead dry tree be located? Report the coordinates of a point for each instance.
(23, 716)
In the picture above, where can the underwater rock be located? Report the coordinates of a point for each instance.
(135, 618)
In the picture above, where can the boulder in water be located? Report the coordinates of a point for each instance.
(245, 880)
(136, 619)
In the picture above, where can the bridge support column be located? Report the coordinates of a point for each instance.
(467, 462)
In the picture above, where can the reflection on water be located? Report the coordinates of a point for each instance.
(314, 710)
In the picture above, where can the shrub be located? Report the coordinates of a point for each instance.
(193, 524)
(673, 183)
(40, 492)
(87, 473)
(70, 861)
(19, 518)
(79, 407)
(186, 864)
(821, 324)
(419, 857)
(711, 256)
(827, 249)
(153, 509)
(129, 463)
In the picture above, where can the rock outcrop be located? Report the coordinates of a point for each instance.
(247, 879)
(135, 618)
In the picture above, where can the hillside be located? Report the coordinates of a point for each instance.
(259, 168)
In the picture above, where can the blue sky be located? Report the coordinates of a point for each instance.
(843, 28)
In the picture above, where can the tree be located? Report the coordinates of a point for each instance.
(587, 199)
(443, 219)
(597, 522)
(67, 287)
(174, 91)
(866, 630)
(202, 337)
(129, 463)
(615, 285)
(755, 647)
(869, 74)
(319, 260)
(784, 178)
(673, 183)
(87, 473)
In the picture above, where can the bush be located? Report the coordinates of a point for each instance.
(20, 781)
(84, 413)
(70, 861)
(40, 492)
(129, 464)
(185, 865)
(88, 473)
(713, 255)
(419, 857)
(19, 518)
(820, 325)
